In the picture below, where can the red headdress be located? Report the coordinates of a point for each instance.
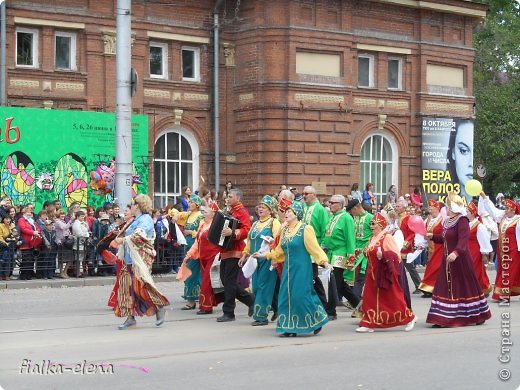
(379, 219)
(434, 203)
(473, 209)
(213, 205)
(283, 204)
(513, 205)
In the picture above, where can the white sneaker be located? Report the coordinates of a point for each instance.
(363, 329)
(411, 324)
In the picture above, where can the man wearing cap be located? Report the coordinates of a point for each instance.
(316, 216)
(409, 236)
(362, 219)
(229, 259)
(340, 245)
(507, 281)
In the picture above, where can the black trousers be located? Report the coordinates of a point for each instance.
(413, 273)
(29, 257)
(274, 304)
(228, 274)
(330, 304)
(343, 289)
(359, 284)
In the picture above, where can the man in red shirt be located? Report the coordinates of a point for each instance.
(229, 259)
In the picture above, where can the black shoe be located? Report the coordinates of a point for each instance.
(417, 291)
(202, 312)
(426, 295)
(480, 322)
(274, 317)
(332, 318)
(288, 334)
(251, 310)
(316, 331)
(225, 318)
(260, 323)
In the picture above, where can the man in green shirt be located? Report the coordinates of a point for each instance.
(362, 219)
(317, 216)
(340, 245)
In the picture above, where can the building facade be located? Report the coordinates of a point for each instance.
(329, 92)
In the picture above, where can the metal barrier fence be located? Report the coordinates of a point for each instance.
(78, 260)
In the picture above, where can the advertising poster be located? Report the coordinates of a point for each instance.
(65, 155)
(447, 156)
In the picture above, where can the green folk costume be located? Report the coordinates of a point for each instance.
(339, 236)
(264, 279)
(363, 236)
(316, 215)
(299, 308)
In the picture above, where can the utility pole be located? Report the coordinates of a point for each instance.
(123, 182)
(3, 43)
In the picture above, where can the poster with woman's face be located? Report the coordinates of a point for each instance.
(447, 156)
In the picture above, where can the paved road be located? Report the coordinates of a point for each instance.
(73, 325)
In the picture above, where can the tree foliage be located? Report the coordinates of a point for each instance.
(497, 92)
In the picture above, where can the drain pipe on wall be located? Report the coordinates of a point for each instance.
(216, 99)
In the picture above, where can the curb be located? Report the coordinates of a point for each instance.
(73, 282)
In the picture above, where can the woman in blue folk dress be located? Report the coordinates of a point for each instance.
(265, 276)
(299, 309)
(191, 220)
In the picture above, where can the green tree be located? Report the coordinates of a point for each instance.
(497, 93)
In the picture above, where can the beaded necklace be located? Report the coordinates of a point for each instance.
(258, 231)
(451, 222)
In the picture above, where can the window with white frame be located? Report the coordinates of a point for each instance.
(65, 51)
(378, 164)
(395, 73)
(190, 64)
(175, 166)
(159, 60)
(26, 48)
(366, 70)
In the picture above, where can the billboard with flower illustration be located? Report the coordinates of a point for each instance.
(65, 155)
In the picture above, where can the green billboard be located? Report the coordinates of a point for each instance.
(65, 155)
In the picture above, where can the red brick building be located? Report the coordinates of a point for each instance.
(327, 91)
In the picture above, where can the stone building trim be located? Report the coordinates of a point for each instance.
(453, 9)
(387, 49)
(17, 83)
(177, 37)
(49, 23)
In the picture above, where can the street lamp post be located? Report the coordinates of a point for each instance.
(123, 180)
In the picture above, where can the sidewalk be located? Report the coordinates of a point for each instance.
(74, 282)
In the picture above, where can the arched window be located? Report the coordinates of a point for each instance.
(176, 164)
(378, 164)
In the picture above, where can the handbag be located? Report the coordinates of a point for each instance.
(68, 242)
(214, 273)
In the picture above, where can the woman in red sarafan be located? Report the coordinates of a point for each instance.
(507, 282)
(479, 246)
(205, 252)
(383, 301)
(457, 299)
(434, 226)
